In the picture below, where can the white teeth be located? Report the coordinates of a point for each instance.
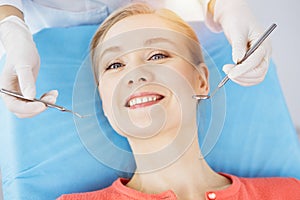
(141, 100)
(144, 100)
(131, 103)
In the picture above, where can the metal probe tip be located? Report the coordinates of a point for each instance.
(50, 105)
(200, 97)
(248, 53)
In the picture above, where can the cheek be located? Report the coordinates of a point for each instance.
(106, 87)
(188, 72)
(106, 97)
(107, 90)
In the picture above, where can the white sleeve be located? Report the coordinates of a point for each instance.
(209, 18)
(16, 3)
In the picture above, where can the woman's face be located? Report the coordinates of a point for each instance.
(144, 90)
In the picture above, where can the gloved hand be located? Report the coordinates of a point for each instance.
(242, 30)
(21, 68)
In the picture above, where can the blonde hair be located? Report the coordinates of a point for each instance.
(137, 9)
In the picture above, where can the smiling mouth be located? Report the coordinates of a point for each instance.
(143, 100)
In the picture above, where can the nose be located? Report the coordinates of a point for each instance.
(139, 75)
(141, 79)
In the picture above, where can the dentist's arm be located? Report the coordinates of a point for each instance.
(21, 64)
(242, 30)
(7, 10)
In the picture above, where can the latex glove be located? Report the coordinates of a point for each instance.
(242, 30)
(21, 68)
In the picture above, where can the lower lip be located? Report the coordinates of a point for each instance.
(142, 105)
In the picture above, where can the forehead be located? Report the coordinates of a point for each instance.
(137, 22)
(146, 31)
(149, 38)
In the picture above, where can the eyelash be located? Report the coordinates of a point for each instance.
(158, 53)
(111, 66)
(162, 55)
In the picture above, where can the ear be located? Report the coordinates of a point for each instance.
(202, 79)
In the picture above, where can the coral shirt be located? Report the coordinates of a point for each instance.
(241, 188)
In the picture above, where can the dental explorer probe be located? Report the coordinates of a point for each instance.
(248, 53)
(50, 105)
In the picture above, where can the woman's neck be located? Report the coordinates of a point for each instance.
(189, 176)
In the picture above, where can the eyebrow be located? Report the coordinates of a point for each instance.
(113, 49)
(148, 42)
(158, 40)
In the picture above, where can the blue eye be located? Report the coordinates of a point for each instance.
(158, 56)
(115, 65)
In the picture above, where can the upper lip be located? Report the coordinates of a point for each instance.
(141, 95)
